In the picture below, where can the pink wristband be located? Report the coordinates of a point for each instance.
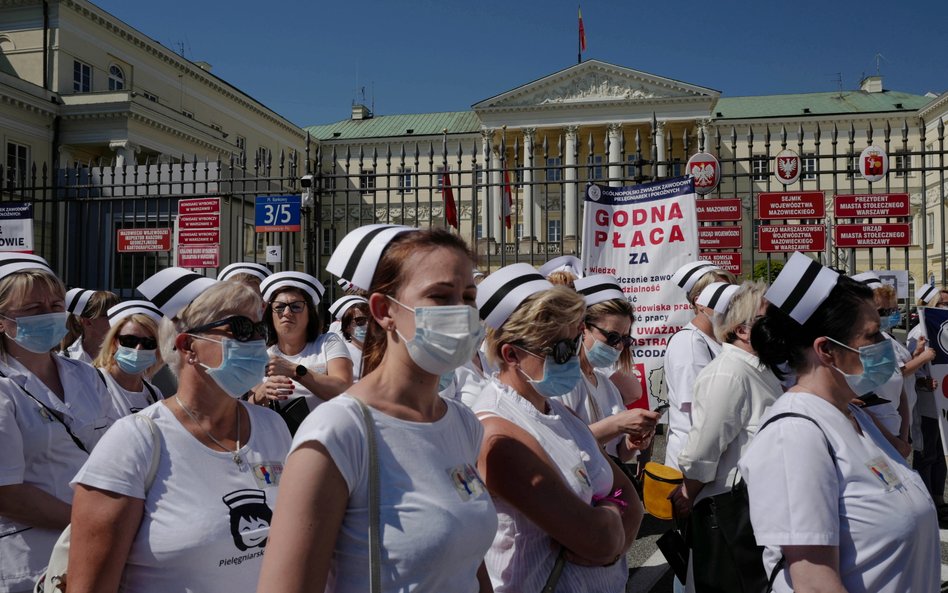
(612, 497)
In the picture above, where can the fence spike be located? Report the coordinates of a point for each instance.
(783, 136)
(869, 133)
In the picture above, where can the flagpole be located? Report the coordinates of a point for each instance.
(579, 37)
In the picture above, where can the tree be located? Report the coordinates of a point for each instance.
(761, 273)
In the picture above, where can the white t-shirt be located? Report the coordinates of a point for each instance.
(355, 353)
(869, 503)
(35, 449)
(128, 402)
(315, 356)
(522, 555)
(468, 381)
(206, 521)
(731, 395)
(436, 516)
(688, 351)
(75, 351)
(593, 403)
(335, 327)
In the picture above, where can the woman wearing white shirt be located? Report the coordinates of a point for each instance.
(833, 503)
(88, 322)
(354, 315)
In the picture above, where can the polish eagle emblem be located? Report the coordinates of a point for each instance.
(788, 167)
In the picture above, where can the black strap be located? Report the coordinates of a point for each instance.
(554, 578)
(52, 413)
(151, 390)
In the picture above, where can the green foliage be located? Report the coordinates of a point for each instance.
(760, 271)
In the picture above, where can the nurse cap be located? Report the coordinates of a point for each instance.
(598, 288)
(925, 292)
(801, 287)
(304, 282)
(12, 262)
(359, 252)
(344, 284)
(339, 308)
(564, 263)
(869, 279)
(173, 289)
(124, 310)
(258, 270)
(499, 295)
(77, 299)
(717, 296)
(688, 275)
(239, 498)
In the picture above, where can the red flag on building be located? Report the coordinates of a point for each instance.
(582, 32)
(450, 207)
(508, 197)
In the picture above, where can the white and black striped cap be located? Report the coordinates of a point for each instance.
(599, 288)
(359, 252)
(499, 295)
(564, 263)
(259, 270)
(801, 287)
(173, 289)
(870, 279)
(299, 280)
(77, 299)
(344, 284)
(339, 308)
(717, 296)
(925, 292)
(124, 310)
(688, 275)
(12, 262)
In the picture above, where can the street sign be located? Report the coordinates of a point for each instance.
(16, 227)
(790, 205)
(140, 240)
(199, 221)
(776, 238)
(718, 210)
(199, 256)
(198, 236)
(720, 237)
(873, 235)
(277, 214)
(871, 205)
(274, 254)
(199, 206)
(198, 233)
(726, 260)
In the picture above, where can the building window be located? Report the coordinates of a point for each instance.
(439, 175)
(150, 96)
(553, 231)
(367, 181)
(518, 177)
(903, 162)
(217, 127)
(929, 230)
(81, 77)
(760, 168)
(187, 114)
(809, 167)
(262, 158)
(554, 170)
(241, 144)
(519, 231)
(479, 178)
(595, 171)
(852, 167)
(405, 185)
(479, 231)
(676, 168)
(18, 162)
(930, 156)
(632, 169)
(116, 78)
(329, 239)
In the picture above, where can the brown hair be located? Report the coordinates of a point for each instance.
(709, 278)
(314, 325)
(98, 306)
(390, 276)
(349, 314)
(594, 313)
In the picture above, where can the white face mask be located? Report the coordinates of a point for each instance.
(445, 337)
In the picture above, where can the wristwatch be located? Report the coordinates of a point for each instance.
(301, 371)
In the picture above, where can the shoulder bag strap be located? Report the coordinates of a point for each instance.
(155, 449)
(151, 391)
(375, 542)
(52, 413)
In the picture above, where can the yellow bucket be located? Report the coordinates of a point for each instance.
(659, 482)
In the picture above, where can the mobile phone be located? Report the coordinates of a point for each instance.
(871, 399)
(662, 408)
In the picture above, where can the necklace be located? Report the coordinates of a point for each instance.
(236, 453)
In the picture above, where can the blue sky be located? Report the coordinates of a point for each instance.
(308, 60)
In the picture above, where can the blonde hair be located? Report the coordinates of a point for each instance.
(742, 310)
(536, 322)
(15, 287)
(207, 307)
(106, 358)
(562, 278)
(935, 300)
(251, 280)
(594, 313)
(709, 278)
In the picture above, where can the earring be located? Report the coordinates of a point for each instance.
(191, 359)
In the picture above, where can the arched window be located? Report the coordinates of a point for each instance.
(116, 78)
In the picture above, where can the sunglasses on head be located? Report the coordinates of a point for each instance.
(295, 307)
(613, 339)
(130, 341)
(241, 328)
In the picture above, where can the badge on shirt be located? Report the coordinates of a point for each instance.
(45, 415)
(268, 473)
(580, 472)
(467, 482)
(880, 469)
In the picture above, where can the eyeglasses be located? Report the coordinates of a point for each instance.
(241, 328)
(360, 321)
(295, 307)
(130, 341)
(613, 339)
(888, 311)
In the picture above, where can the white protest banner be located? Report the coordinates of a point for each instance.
(936, 330)
(897, 278)
(16, 227)
(641, 234)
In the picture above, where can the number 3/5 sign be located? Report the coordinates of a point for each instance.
(277, 214)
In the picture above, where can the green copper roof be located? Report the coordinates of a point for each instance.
(801, 105)
(387, 126)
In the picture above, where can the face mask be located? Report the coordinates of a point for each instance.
(890, 321)
(445, 337)
(445, 380)
(243, 365)
(878, 366)
(359, 332)
(558, 379)
(40, 333)
(133, 360)
(602, 355)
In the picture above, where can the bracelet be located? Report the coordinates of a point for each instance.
(612, 497)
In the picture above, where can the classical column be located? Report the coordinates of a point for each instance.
(615, 154)
(569, 177)
(65, 158)
(496, 195)
(124, 152)
(529, 215)
(483, 193)
(660, 148)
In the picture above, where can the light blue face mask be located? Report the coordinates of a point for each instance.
(243, 365)
(40, 333)
(558, 379)
(445, 380)
(359, 332)
(890, 321)
(878, 366)
(601, 355)
(134, 361)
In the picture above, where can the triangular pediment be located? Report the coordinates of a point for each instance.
(595, 82)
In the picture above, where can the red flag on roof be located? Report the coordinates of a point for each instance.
(582, 32)
(450, 207)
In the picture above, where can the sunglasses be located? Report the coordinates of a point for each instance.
(360, 321)
(887, 312)
(562, 350)
(613, 339)
(241, 328)
(295, 307)
(130, 341)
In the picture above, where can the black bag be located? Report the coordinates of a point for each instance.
(293, 413)
(675, 549)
